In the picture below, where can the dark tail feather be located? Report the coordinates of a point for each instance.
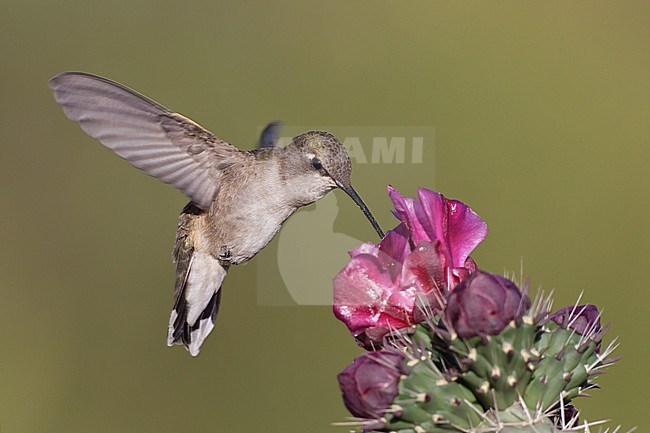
(193, 336)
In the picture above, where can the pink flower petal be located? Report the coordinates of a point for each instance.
(424, 270)
(396, 243)
(455, 225)
(364, 248)
(466, 231)
(362, 291)
(410, 212)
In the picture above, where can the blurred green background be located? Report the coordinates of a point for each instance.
(541, 112)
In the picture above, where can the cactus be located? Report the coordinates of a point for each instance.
(477, 356)
(521, 379)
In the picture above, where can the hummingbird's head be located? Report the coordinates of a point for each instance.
(327, 164)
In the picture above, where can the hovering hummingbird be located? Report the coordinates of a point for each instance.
(238, 199)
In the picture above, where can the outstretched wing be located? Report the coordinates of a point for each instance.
(162, 143)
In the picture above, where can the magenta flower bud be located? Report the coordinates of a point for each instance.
(370, 383)
(484, 304)
(583, 319)
(568, 418)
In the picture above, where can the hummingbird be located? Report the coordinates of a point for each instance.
(239, 199)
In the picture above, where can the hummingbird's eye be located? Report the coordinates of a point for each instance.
(315, 162)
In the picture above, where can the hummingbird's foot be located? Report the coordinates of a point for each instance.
(224, 255)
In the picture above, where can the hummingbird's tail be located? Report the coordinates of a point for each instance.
(197, 294)
(196, 306)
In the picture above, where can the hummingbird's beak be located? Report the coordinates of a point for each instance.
(354, 196)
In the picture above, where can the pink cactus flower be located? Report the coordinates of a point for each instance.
(390, 285)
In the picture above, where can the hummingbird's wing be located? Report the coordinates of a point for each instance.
(197, 293)
(269, 137)
(162, 143)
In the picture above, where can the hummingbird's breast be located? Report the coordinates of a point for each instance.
(248, 211)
